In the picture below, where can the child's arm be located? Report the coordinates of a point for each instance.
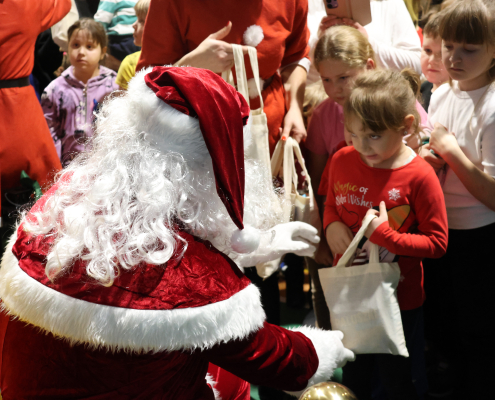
(52, 117)
(429, 206)
(479, 183)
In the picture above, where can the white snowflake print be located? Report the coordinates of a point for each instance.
(394, 194)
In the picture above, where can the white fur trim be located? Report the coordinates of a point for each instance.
(117, 328)
(253, 35)
(331, 353)
(252, 89)
(164, 127)
(212, 383)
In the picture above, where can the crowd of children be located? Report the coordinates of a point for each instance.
(421, 156)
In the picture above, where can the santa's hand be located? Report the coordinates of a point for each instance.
(293, 237)
(212, 53)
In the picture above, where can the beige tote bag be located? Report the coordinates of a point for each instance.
(362, 300)
(259, 148)
(298, 207)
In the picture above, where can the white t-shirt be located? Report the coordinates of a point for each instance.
(475, 133)
(391, 34)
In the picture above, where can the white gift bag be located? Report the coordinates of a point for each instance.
(297, 207)
(362, 300)
(259, 148)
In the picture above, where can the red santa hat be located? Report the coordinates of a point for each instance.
(222, 112)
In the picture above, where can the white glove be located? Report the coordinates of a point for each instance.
(292, 237)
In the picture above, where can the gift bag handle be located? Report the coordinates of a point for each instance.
(348, 256)
(240, 71)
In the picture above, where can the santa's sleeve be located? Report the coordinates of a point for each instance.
(283, 359)
(164, 33)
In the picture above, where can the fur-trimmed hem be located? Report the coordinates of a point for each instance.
(330, 351)
(211, 382)
(114, 328)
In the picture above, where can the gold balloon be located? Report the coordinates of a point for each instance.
(328, 391)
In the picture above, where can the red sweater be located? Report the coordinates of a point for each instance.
(417, 226)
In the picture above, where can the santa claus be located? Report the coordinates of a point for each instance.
(123, 280)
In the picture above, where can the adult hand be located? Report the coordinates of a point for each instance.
(327, 22)
(339, 237)
(292, 237)
(436, 162)
(323, 254)
(212, 53)
(382, 217)
(354, 24)
(294, 125)
(442, 142)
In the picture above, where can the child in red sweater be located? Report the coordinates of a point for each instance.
(381, 175)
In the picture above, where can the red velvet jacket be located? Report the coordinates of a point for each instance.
(150, 335)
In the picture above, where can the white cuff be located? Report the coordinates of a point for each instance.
(330, 351)
(303, 62)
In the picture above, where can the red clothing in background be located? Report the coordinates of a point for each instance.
(417, 225)
(176, 27)
(25, 141)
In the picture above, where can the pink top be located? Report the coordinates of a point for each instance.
(326, 129)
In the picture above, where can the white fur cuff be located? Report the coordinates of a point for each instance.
(116, 328)
(331, 353)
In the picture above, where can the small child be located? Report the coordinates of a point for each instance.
(462, 281)
(431, 60)
(69, 101)
(127, 69)
(341, 54)
(380, 172)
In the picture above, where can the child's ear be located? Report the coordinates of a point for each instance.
(408, 121)
(370, 64)
(103, 53)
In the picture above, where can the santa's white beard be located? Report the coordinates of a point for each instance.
(120, 205)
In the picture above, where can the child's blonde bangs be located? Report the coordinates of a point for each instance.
(467, 22)
(381, 99)
(371, 109)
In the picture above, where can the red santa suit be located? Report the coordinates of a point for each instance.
(152, 332)
(176, 27)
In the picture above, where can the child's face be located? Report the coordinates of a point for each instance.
(431, 61)
(84, 53)
(468, 63)
(138, 30)
(377, 149)
(336, 77)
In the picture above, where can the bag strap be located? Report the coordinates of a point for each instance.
(240, 71)
(348, 256)
(300, 159)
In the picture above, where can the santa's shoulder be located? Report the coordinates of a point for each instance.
(194, 301)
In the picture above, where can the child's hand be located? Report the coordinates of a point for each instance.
(382, 217)
(339, 237)
(327, 22)
(436, 162)
(323, 254)
(442, 142)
